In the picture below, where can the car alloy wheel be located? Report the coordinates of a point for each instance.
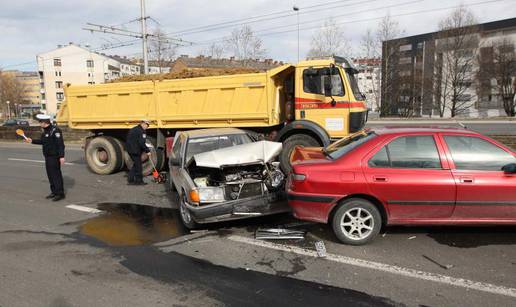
(357, 224)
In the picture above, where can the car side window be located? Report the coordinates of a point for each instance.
(408, 152)
(313, 81)
(176, 150)
(474, 153)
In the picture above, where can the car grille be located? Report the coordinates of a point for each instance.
(248, 190)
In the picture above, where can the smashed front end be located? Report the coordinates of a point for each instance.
(238, 182)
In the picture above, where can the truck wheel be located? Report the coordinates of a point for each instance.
(103, 155)
(186, 216)
(288, 146)
(125, 155)
(356, 222)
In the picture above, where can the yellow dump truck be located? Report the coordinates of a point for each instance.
(307, 104)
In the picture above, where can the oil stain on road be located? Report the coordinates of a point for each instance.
(129, 230)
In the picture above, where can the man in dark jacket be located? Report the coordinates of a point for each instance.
(54, 152)
(135, 146)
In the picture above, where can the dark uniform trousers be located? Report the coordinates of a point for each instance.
(135, 145)
(55, 177)
(135, 174)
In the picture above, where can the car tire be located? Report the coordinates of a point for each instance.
(289, 144)
(103, 155)
(356, 222)
(184, 213)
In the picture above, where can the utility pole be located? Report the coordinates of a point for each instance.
(143, 21)
(296, 9)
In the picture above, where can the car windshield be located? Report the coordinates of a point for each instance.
(347, 144)
(205, 144)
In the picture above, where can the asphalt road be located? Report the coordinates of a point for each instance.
(109, 244)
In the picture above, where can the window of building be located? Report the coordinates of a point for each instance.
(58, 106)
(420, 45)
(59, 84)
(57, 62)
(58, 73)
(43, 106)
(89, 63)
(407, 47)
(60, 96)
(408, 152)
(43, 96)
(313, 81)
(405, 60)
(91, 82)
(473, 153)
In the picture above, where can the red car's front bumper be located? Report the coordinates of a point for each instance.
(310, 207)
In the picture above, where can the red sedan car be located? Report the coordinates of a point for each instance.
(404, 176)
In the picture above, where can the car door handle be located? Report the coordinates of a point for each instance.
(466, 179)
(380, 178)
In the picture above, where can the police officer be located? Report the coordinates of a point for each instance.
(54, 152)
(135, 145)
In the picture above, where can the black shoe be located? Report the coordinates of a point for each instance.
(51, 195)
(58, 197)
(140, 183)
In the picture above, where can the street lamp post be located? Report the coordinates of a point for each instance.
(8, 109)
(296, 9)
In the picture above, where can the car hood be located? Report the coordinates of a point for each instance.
(258, 152)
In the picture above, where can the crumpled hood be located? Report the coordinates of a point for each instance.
(262, 151)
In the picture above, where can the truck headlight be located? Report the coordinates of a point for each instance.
(211, 194)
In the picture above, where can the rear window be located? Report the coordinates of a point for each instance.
(205, 144)
(347, 144)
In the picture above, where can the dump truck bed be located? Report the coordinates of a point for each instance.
(245, 100)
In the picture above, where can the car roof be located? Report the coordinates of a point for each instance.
(421, 129)
(212, 132)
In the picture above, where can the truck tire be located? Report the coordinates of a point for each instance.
(103, 155)
(125, 155)
(147, 168)
(292, 141)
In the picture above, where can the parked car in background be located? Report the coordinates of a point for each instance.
(16, 123)
(404, 176)
(223, 174)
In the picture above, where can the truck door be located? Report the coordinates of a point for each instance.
(313, 104)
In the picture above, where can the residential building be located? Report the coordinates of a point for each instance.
(29, 102)
(71, 64)
(368, 78)
(415, 72)
(128, 67)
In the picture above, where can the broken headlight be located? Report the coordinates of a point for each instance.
(211, 194)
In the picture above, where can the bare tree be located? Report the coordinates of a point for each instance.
(11, 89)
(497, 71)
(214, 50)
(330, 40)
(244, 45)
(387, 31)
(456, 45)
(161, 49)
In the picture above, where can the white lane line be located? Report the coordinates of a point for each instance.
(35, 161)
(443, 279)
(83, 209)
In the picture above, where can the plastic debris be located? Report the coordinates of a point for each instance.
(444, 266)
(412, 238)
(278, 234)
(320, 248)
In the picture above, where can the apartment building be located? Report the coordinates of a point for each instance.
(416, 76)
(72, 64)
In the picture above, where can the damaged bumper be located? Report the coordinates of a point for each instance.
(261, 205)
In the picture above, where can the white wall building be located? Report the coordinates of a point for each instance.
(75, 65)
(369, 80)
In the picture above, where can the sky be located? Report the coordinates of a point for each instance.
(30, 27)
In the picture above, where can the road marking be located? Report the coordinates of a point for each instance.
(36, 161)
(443, 279)
(83, 209)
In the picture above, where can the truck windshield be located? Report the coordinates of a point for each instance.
(347, 144)
(354, 84)
(205, 144)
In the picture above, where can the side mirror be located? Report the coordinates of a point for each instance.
(509, 168)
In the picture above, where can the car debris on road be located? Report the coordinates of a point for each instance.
(279, 234)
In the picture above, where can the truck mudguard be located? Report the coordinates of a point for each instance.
(297, 126)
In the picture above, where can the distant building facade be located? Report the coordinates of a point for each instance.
(75, 65)
(30, 98)
(369, 77)
(414, 74)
